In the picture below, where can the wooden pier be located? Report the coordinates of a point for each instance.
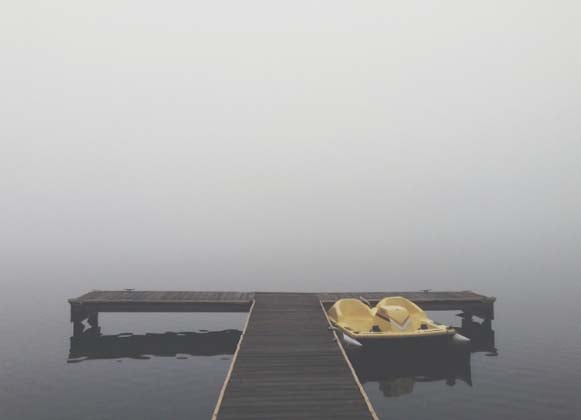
(288, 366)
(288, 363)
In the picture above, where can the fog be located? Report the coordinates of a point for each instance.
(290, 145)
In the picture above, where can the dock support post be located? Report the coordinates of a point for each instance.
(467, 320)
(78, 315)
(487, 323)
(93, 319)
(78, 328)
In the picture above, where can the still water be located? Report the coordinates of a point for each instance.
(171, 366)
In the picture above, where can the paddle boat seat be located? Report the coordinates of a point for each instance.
(393, 318)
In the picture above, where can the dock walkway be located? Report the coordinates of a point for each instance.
(288, 366)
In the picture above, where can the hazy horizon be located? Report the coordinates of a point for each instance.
(297, 146)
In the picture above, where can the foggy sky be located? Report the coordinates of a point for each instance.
(290, 145)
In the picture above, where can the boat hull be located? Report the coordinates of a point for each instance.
(394, 342)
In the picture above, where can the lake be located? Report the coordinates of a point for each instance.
(172, 366)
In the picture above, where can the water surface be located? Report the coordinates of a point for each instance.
(172, 366)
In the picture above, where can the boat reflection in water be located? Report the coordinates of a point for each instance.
(399, 366)
(92, 345)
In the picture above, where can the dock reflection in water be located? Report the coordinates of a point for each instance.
(92, 345)
(398, 367)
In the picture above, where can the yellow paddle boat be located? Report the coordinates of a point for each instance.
(393, 318)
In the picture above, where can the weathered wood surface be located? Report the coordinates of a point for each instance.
(159, 301)
(185, 301)
(111, 296)
(134, 296)
(289, 367)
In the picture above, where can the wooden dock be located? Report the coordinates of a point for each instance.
(288, 366)
(288, 363)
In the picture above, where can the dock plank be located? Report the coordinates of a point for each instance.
(115, 296)
(154, 296)
(158, 301)
(228, 301)
(289, 366)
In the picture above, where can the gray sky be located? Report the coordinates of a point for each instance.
(290, 145)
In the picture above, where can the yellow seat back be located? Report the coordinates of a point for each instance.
(411, 307)
(407, 316)
(352, 313)
(396, 313)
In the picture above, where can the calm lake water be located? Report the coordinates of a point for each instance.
(535, 373)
